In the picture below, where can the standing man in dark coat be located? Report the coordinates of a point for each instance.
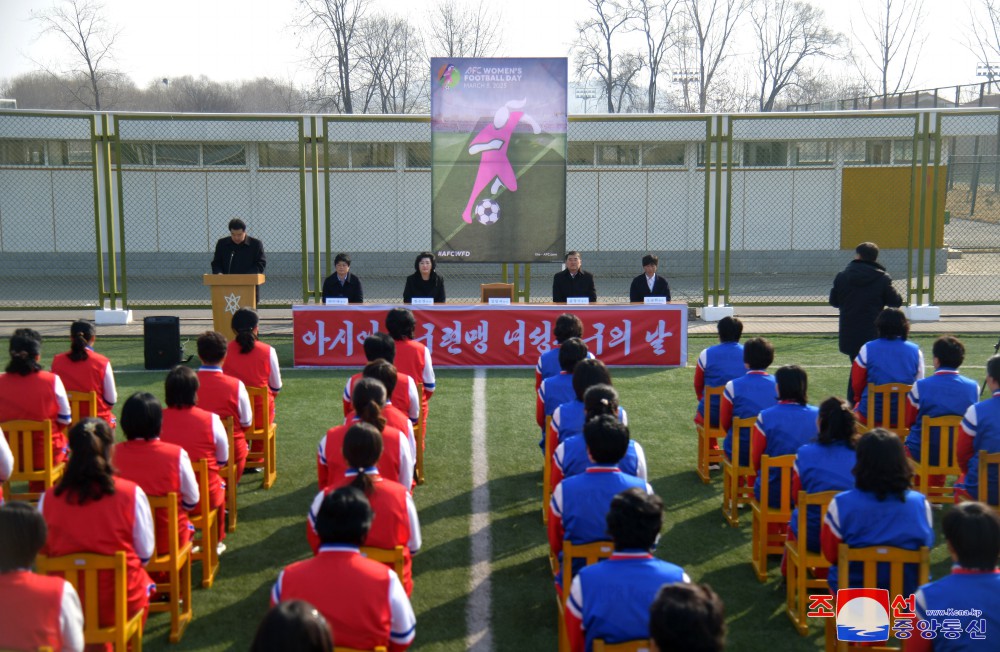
(573, 281)
(342, 283)
(860, 292)
(649, 283)
(239, 253)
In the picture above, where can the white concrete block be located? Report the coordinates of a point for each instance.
(112, 317)
(923, 313)
(716, 313)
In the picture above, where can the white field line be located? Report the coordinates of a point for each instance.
(479, 633)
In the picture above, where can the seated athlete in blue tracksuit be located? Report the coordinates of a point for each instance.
(610, 600)
(973, 534)
(889, 359)
(748, 395)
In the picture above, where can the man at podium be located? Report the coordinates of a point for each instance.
(239, 253)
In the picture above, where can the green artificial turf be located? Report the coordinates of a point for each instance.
(660, 404)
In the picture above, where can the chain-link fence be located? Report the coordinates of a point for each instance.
(742, 209)
(47, 211)
(182, 178)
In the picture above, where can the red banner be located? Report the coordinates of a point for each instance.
(495, 335)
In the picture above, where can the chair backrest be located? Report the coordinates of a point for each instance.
(987, 462)
(77, 400)
(638, 645)
(201, 471)
(340, 648)
(943, 432)
(804, 501)
(260, 404)
(711, 417)
(82, 570)
(783, 464)
(418, 433)
(890, 412)
(590, 553)
(870, 558)
(20, 434)
(738, 425)
(167, 504)
(488, 291)
(947, 438)
(390, 557)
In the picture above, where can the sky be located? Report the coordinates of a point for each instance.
(243, 39)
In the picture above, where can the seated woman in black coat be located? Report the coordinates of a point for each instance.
(424, 282)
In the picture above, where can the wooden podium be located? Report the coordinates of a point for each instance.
(230, 292)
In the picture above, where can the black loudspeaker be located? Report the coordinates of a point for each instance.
(162, 342)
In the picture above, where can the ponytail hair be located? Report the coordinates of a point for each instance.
(368, 398)
(600, 399)
(244, 323)
(837, 423)
(88, 475)
(25, 347)
(362, 449)
(81, 334)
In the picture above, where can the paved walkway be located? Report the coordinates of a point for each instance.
(756, 319)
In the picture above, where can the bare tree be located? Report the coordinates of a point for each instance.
(392, 65)
(596, 53)
(189, 94)
(331, 27)
(888, 44)
(81, 25)
(458, 31)
(789, 33)
(712, 23)
(984, 17)
(659, 28)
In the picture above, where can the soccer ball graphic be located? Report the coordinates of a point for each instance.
(487, 211)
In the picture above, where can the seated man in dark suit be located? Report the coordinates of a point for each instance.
(649, 283)
(573, 281)
(342, 283)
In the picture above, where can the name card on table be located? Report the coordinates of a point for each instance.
(578, 300)
(423, 301)
(336, 301)
(657, 300)
(499, 301)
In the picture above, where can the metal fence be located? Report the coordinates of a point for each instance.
(124, 209)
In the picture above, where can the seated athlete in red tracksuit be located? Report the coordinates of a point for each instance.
(363, 601)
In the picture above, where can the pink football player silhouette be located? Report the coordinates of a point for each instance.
(491, 143)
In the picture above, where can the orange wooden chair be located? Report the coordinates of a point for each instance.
(391, 557)
(20, 435)
(944, 430)
(206, 526)
(799, 560)
(737, 479)
(81, 570)
(228, 475)
(418, 435)
(590, 553)
(988, 461)
(340, 648)
(765, 542)
(709, 434)
(175, 563)
(264, 431)
(871, 558)
(891, 414)
(81, 404)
